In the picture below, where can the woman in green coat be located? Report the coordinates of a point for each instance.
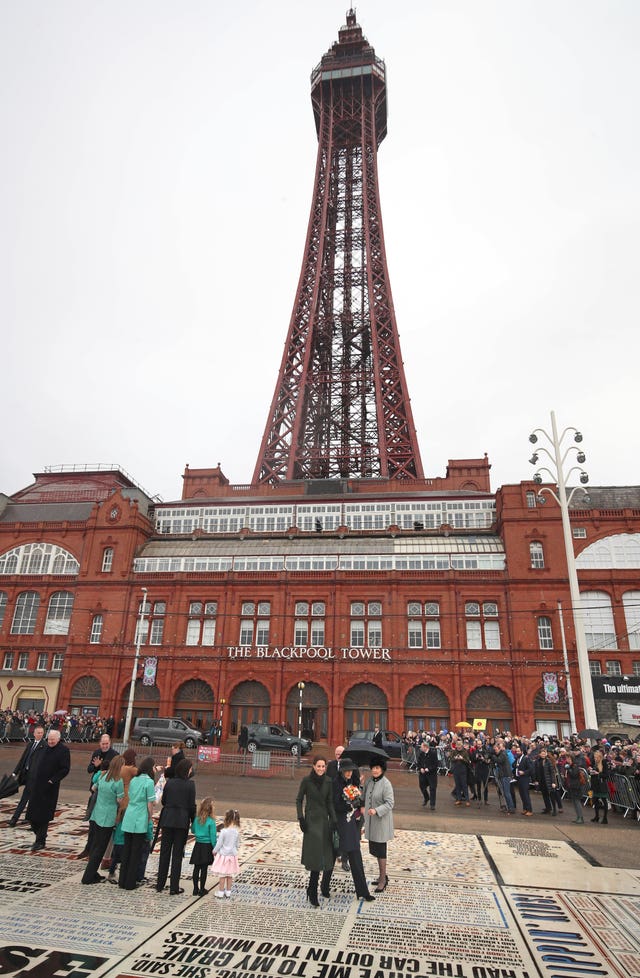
(317, 819)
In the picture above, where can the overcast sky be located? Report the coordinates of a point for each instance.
(156, 172)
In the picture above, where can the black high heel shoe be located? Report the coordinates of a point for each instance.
(381, 889)
(312, 898)
(368, 897)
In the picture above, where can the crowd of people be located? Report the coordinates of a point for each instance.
(123, 792)
(336, 805)
(575, 767)
(19, 725)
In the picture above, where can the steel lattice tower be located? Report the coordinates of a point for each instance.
(341, 407)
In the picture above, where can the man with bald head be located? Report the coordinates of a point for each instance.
(54, 766)
(334, 766)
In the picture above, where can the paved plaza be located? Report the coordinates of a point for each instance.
(471, 896)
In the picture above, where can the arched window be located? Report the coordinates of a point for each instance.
(38, 558)
(631, 603)
(545, 635)
(59, 564)
(597, 615)
(3, 606)
(59, 613)
(96, 630)
(536, 553)
(107, 560)
(619, 550)
(25, 614)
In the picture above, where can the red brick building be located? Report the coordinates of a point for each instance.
(341, 588)
(401, 606)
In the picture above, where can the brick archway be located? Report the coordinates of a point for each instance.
(249, 703)
(491, 704)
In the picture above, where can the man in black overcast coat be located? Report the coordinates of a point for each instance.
(25, 769)
(54, 766)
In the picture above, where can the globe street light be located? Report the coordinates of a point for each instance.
(558, 476)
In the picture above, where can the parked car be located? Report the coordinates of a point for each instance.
(271, 736)
(391, 741)
(166, 730)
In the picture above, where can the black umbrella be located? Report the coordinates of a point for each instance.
(363, 756)
(8, 786)
(589, 734)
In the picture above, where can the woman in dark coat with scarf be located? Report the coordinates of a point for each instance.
(349, 821)
(317, 819)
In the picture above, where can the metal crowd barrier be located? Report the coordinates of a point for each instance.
(408, 756)
(443, 761)
(258, 764)
(624, 793)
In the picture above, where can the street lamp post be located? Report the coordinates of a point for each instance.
(300, 690)
(222, 702)
(565, 659)
(134, 673)
(558, 459)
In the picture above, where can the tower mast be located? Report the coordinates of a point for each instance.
(341, 407)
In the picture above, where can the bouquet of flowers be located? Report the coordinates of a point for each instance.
(351, 795)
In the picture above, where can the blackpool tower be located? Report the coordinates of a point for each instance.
(341, 406)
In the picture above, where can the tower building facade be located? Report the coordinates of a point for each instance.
(341, 589)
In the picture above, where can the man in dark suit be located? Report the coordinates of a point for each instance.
(26, 768)
(53, 767)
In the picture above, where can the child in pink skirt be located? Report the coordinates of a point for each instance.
(225, 862)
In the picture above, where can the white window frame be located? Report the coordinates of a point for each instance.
(246, 632)
(414, 634)
(597, 614)
(536, 555)
(107, 560)
(631, 605)
(59, 613)
(545, 632)
(97, 624)
(42, 664)
(25, 614)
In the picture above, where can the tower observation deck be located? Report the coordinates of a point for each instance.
(341, 407)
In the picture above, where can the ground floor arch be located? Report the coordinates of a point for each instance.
(195, 703)
(551, 718)
(365, 707)
(248, 703)
(85, 696)
(146, 701)
(426, 707)
(491, 704)
(308, 712)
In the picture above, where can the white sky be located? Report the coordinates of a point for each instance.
(156, 168)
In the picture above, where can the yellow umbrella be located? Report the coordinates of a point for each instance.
(463, 723)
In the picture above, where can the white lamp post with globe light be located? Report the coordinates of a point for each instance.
(558, 475)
